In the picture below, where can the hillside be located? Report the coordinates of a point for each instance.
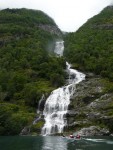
(90, 50)
(91, 47)
(28, 67)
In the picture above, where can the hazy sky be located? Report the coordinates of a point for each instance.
(69, 15)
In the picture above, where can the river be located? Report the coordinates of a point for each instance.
(54, 143)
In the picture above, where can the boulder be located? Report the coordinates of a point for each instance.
(25, 131)
(93, 131)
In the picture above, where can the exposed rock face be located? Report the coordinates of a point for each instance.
(91, 108)
(103, 26)
(92, 131)
(25, 131)
(50, 28)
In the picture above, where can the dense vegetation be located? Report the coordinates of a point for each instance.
(91, 47)
(27, 68)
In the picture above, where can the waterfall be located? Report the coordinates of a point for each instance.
(39, 111)
(56, 105)
(59, 48)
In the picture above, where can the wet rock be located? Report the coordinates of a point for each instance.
(78, 123)
(89, 105)
(93, 131)
(25, 131)
(72, 113)
(93, 115)
(89, 75)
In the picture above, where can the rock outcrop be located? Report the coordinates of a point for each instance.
(91, 108)
(93, 131)
(50, 28)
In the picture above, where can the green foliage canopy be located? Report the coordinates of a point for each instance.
(28, 67)
(91, 47)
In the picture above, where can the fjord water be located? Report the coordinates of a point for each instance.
(56, 105)
(54, 143)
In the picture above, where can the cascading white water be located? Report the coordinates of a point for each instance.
(56, 105)
(39, 110)
(59, 48)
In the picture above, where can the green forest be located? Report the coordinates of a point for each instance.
(90, 49)
(28, 67)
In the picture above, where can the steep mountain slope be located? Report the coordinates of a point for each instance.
(28, 67)
(91, 47)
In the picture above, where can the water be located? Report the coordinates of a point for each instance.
(39, 110)
(59, 48)
(56, 105)
(54, 143)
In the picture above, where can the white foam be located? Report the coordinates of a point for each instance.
(56, 105)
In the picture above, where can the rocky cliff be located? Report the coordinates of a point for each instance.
(91, 106)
